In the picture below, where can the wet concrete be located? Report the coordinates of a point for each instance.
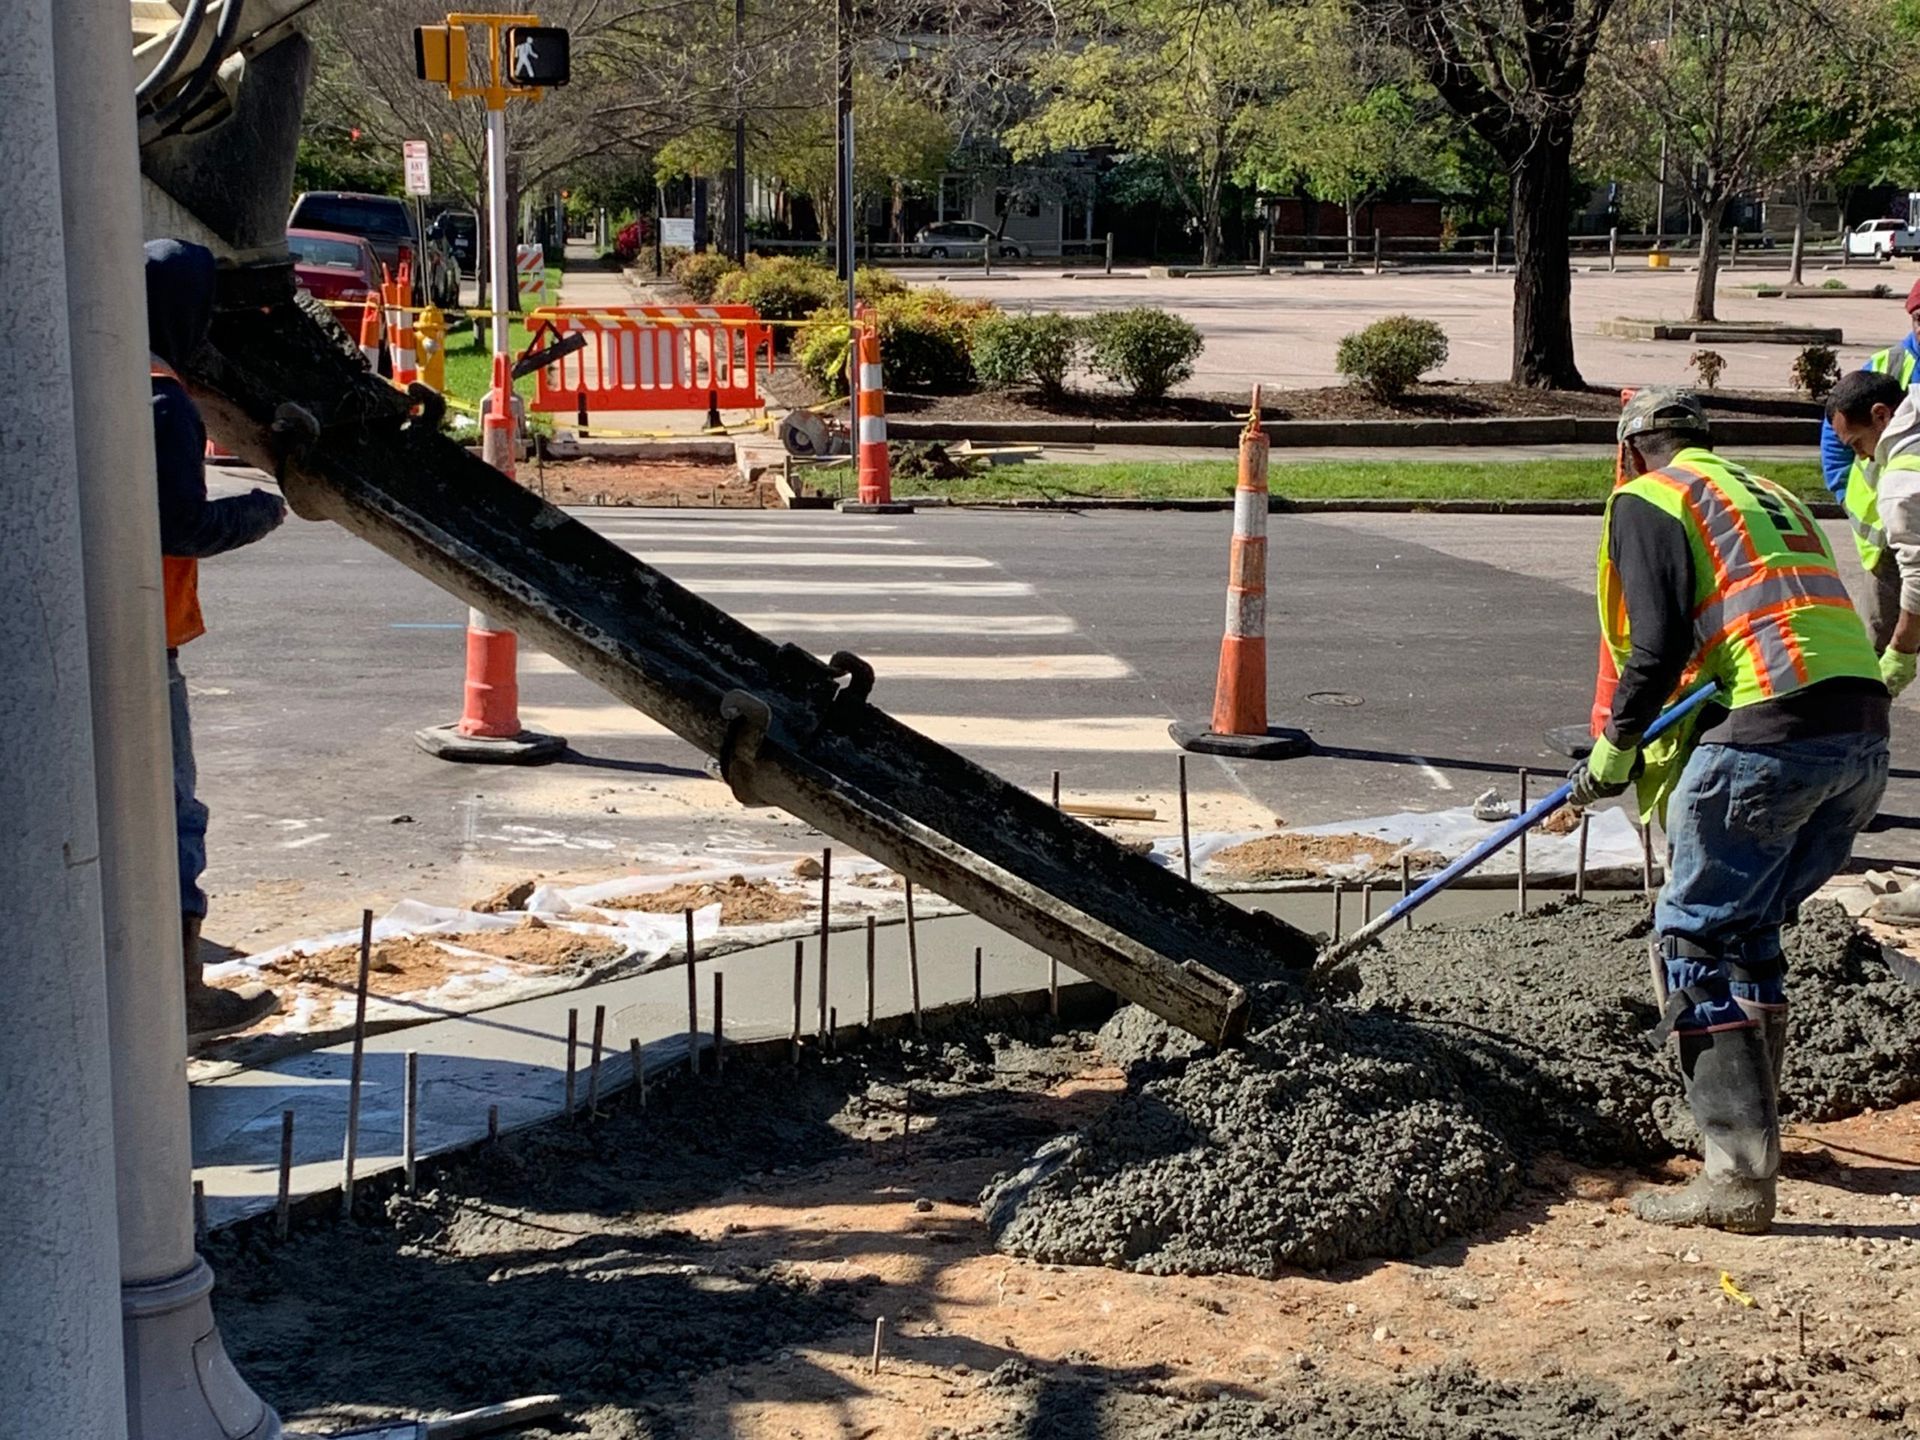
(1399, 1112)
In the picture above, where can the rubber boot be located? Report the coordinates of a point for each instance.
(214, 1010)
(1730, 1090)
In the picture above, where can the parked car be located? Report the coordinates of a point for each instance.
(387, 224)
(332, 265)
(962, 240)
(1874, 239)
(459, 231)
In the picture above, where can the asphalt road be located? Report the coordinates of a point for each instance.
(1425, 654)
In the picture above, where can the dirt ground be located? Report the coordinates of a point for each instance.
(416, 962)
(1295, 857)
(713, 1267)
(742, 901)
(642, 482)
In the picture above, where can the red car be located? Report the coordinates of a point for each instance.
(329, 265)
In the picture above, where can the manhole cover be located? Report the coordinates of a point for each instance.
(1339, 698)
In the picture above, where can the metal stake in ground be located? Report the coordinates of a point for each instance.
(978, 958)
(356, 1066)
(493, 1124)
(410, 1123)
(199, 1213)
(1646, 860)
(1056, 789)
(879, 1333)
(1580, 858)
(1186, 832)
(799, 966)
(870, 953)
(1520, 891)
(573, 1045)
(1366, 904)
(283, 1199)
(719, 1025)
(826, 915)
(1338, 895)
(1239, 724)
(593, 1063)
(1053, 987)
(1406, 883)
(913, 958)
(639, 1070)
(693, 1005)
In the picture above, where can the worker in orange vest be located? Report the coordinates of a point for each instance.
(180, 288)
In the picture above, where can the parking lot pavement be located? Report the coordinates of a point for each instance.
(1282, 329)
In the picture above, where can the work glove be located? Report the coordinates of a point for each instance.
(1896, 668)
(1607, 771)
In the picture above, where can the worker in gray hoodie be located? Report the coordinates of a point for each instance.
(180, 288)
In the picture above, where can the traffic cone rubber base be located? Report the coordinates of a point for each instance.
(1279, 743)
(866, 507)
(1573, 741)
(529, 747)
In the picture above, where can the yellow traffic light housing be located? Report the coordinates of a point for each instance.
(440, 54)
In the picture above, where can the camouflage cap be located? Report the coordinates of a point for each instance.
(1661, 408)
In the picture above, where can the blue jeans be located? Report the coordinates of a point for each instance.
(1753, 831)
(189, 815)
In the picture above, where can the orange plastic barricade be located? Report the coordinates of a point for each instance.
(652, 357)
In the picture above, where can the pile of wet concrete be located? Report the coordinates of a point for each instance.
(1399, 1114)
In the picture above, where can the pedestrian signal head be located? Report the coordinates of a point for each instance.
(537, 56)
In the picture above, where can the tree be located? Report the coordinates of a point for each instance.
(1351, 122)
(1515, 71)
(1738, 87)
(1185, 81)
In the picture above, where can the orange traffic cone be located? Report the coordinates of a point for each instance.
(489, 731)
(875, 464)
(370, 333)
(406, 368)
(1239, 726)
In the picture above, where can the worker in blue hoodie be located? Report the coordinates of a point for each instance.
(180, 288)
(1848, 478)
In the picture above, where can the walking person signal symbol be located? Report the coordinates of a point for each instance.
(538, 55)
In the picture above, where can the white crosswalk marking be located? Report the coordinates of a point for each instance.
(940, 667)
(991, 623)
(670, 559)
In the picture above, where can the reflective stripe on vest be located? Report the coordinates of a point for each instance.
(1862, 498)
(179, 574)
(1770, 614)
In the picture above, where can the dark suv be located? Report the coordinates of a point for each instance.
(387, 225)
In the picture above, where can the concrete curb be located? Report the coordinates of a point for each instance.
(1294, 434)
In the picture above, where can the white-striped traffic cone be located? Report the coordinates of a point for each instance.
(869, 402)
(1239, 725)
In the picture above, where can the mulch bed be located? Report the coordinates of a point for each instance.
(1440, 401)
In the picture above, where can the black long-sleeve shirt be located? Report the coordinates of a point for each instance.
(1654, 559)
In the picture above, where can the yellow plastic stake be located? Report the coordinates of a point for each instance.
(430, 341)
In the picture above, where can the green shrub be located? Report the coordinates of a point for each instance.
(784, 287)
(925, 342)
(1833, 283)
(699, 275)
(1390, 355)
(871, 283)
(1038, 350)
(1816, 371)
(1147, 350)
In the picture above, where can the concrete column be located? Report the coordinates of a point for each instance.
(178, 1382)
(60, 1351)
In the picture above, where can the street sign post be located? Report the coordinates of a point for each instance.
(519, 58)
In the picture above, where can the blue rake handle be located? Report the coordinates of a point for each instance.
(1501, 838)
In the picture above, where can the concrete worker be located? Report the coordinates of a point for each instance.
(1708, 572)
(1899, 361)
(180, 287)
(1885, 474)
